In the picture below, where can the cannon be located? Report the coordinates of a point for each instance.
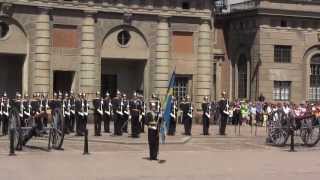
(279, 126)
(55, 128)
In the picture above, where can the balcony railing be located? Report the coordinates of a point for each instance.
(246, 5)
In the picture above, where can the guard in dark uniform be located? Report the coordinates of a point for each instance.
(72, 111)
(27, 110)
(35, 110)
(117, 105)
(44, 107)
(107, 108)
(181, 106)
(173, 117)
(98, 104)
(223, 108)
(79, 115)
(187, 116)
(67, 112)
(86, 112)
(143, 113)
(153, 122)
(5, 107)
(126, 113)
(135, 110)
(206, 109)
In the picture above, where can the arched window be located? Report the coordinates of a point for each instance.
(314, 91)
(242, 77)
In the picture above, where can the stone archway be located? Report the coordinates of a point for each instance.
(13, 57)
(124, 60)
(241, 75)
(311, 60)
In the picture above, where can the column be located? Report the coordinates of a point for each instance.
(162, 57)
(88, 56)
(41, 56)
(204, 64)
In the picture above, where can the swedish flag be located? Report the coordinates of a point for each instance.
(168, 106)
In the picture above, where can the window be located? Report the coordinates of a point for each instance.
(185, 5)
(4, 29)
(124, 38)
(242, 77)
(182, 42)
(281, 90)
(65, 36)
(284, 23)
(282, 54)
(181, 87)
(314, 89)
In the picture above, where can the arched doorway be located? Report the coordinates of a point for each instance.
(13, 66)
(314, 88)
(242, 66)
(124, 56)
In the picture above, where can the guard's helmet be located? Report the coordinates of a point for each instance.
(118, 93)
(153, 95)
(5, 94)
(205, 98)
(98, 93)
(124, 95)
(107, 94)
(66, 95)
(135, 94)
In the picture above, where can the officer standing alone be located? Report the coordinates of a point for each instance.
(153, 121)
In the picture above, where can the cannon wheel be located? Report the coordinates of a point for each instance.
(278, 131)
(57, 129)
(310, 132)
(279, 136)
(15, 124)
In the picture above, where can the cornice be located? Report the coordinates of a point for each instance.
(103, 8)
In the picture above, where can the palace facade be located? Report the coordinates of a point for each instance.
(269, 47)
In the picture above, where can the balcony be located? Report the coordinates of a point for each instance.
(246, 5)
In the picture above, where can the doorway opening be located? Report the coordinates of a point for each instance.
(63, 81)
(124, 75)
(11, 68)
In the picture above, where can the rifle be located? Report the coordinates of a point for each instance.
(1, 106)
(28, 112)
(121, 104)
(190, 111)
(81, 113)
(100, 110)
(208, 113)
(6, 113)
(173, 114)
(21, 108)
(86, 112)
(108, 111)
(67, 112)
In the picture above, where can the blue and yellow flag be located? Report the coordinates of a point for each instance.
(168, 106)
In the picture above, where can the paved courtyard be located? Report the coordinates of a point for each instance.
(213, 157)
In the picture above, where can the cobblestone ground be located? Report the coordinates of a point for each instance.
(235, 156)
